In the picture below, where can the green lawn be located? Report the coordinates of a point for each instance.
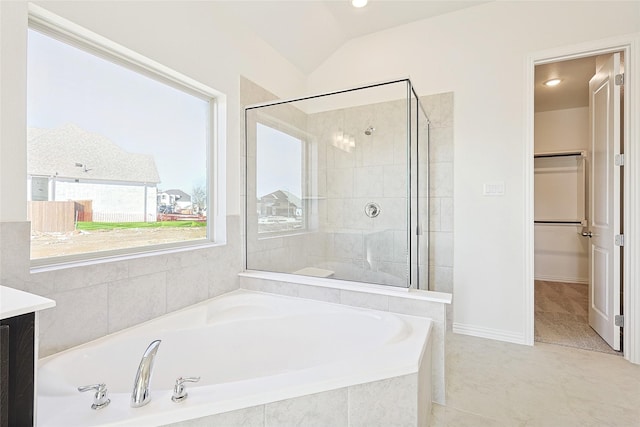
(120, 225)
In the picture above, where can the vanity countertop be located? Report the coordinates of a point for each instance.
(14, 302)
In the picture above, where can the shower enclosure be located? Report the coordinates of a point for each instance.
(337, 186)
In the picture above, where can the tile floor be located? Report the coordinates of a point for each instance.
(492, 383)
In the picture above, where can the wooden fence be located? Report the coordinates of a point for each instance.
(58, 216)
(85, 210)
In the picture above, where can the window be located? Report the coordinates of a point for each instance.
(279, 170)
(117, 151)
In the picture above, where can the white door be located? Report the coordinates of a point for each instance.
(604, 202)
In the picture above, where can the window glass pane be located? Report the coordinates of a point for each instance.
(279, 181)
(116, 159)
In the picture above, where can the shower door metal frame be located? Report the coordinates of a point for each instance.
(417, 230)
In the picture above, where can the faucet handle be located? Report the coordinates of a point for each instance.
(179, 390)
(100, 399)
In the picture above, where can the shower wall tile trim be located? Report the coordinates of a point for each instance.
(439, 108)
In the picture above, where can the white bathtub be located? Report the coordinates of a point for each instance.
(249, 348)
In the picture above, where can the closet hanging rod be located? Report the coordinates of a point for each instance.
(565, 154)
(559, 222)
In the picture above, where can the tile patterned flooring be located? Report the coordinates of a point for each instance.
(492, 383)
(561, 316)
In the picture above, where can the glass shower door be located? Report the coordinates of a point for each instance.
(329, 187)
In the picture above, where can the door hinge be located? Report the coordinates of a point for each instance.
(619, 160)
(619, 79)
(619, 239)
(618, 320)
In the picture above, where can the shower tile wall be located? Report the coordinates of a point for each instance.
(370, 169)
(439, 108)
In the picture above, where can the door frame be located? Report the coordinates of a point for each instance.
(630, 46)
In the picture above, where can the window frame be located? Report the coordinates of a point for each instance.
(65, 31)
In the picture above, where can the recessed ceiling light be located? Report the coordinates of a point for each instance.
(359, 3)
(552, 82)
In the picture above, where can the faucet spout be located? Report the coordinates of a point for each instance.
(140, 395)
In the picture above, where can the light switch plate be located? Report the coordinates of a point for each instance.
(493, 189)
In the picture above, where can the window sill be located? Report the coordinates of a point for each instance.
(64, 262)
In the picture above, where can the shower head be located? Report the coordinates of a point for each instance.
(369, 130)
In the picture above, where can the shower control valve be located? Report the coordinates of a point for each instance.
(100, 399)
(372, 209)
(179, 390)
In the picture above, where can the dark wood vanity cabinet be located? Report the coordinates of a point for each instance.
(4, 375)
(17, 368)
(19, 355)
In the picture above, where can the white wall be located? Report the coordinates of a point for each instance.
(562, 130)
(480, 55)
(120, 202)
(561, 253)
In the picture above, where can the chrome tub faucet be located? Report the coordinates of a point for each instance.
(140, 395)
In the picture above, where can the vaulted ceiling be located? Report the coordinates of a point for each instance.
(306, 32)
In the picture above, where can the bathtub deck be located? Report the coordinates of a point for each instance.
(398, 365)
(431, 305)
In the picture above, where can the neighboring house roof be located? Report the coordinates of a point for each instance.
(184, 197)
(293, 199)
(57, 152)
(283, 196)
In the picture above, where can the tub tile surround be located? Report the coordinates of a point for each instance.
(432, 305)
(249, 417)
(134, 300)
(398, 401)
(97, 299)
(14, 249)
(329, 408)
(400, 390)
(384, 403)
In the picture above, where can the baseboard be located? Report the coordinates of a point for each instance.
(489, 333)
(561, 279)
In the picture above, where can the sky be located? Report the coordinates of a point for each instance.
(66, 85)
(279, 162)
